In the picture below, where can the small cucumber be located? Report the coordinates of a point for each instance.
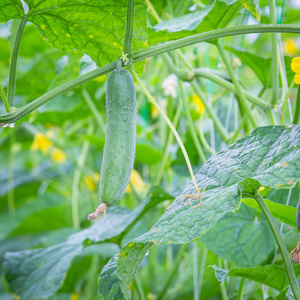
(119, 149)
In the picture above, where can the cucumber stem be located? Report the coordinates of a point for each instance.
(287, 102)
(129, 27)
(284, 253)
(274, 53)
(297, 108)
(7, 108)
(161, 111)
(13, 62)
(140, 55)
(241, 97)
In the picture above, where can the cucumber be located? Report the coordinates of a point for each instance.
(119, 149)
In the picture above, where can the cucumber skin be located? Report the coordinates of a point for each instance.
(119, 149)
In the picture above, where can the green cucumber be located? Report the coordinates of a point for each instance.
(119, 149)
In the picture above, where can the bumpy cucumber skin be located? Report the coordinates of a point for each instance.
(119, 149)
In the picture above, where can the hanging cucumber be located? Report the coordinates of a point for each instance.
(119, 149)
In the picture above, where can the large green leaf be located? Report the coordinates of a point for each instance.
(96, 27)
(241, 238)
(270, 275)
(212, 17)
(10, 10)
(269, 156)
(39, 273)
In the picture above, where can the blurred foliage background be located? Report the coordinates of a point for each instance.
(50, 160)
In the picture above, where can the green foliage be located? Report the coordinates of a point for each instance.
(28, 271)
(248, 163)
(270, 275)
(150, 245)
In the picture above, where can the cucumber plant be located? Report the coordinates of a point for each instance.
(229, 131)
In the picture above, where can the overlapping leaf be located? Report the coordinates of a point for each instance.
(269, 157)
(241, 238)
(39, 273)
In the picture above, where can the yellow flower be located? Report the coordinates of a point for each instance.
(74, 296)
(58, 156)
(290, 47)
(41, 142)
(297, 78)
(154, 112)
(295, 65)
(199, 104)
(91, 181)
(136, 180)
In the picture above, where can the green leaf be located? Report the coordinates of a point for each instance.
(147, 152)
(253, 7)
(241, 238)
(96, 28)
(39, 273)
(284, 213)
(260, 65)
(10, 10)
(212, 17)
(270, 275)
(187, 22)
(269, 156)
(109, 273)
(35, 216)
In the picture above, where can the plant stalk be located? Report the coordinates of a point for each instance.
(284, 253)
(297, 108)
(286, 101)
(210, 111)
(192, 126)
(173, 272)
(76, 180)
(140, 55)
(13, 62)
(272, 6)
(241, 97)
(129, 28)
(94, 109)
(3, 96)
(240, 293)
(166, 150)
